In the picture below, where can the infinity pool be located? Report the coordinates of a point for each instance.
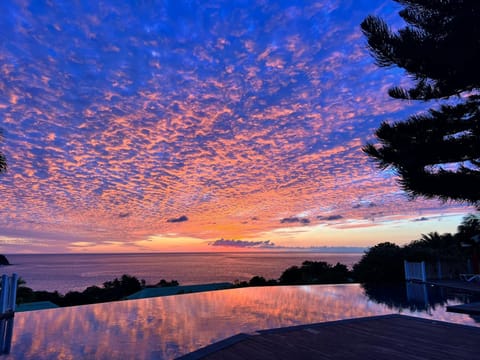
(167, 327)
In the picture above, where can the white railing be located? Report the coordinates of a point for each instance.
(415, 271)
(417, 293)
(8, 295)
(6, 333)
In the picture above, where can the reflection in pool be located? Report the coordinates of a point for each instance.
(167, 327)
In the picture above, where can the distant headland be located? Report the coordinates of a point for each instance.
(4, 260)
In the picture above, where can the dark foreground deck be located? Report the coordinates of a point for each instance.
(381, 337)
(471, 309)
(457, 284)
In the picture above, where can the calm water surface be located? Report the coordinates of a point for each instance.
(65, 272)
(165, 328)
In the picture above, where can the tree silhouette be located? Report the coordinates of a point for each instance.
(382, 263)
(468, 234)
(434, 246)
(316, 272)
(436, 154)
(469, 227)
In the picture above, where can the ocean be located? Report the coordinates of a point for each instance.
(67, 272)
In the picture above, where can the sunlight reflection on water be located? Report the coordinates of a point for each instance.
(171, 326)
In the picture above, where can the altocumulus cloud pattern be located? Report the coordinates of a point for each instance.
(128, 119)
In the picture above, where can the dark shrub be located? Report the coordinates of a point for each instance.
(257, 281)
(381, 263)
(316, 272)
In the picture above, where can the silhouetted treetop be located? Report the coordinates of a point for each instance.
(315, 272)
(469, 228)
(439, 46)
(382, 263)
(435, 154)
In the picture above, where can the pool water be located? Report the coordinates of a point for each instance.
(167, 327)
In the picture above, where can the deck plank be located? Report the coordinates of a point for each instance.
(472, 308)
(384, 337)
(462, 285)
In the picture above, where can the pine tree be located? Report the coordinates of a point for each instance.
(435, 154)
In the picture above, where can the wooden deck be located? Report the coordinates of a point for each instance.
(471, 309)
(473, 286)
(382, 337)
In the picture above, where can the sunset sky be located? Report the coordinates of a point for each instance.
(198, 126)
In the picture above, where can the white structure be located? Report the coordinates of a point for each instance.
(417, 293)
(415, 271)
(8, 297)
(8, 294)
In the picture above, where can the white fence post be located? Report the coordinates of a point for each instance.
(424, 273)
(8, 294)
(4, 294)
(407, 270)
(415, 271)
(439, 269)
(13, 292)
